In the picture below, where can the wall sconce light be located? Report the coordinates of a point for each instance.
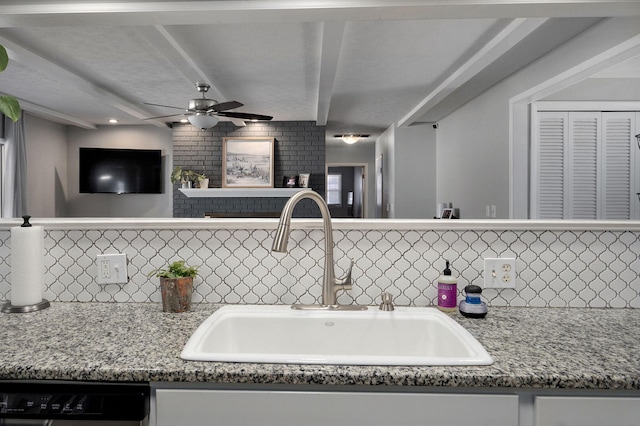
(203, 121)
(351, 138)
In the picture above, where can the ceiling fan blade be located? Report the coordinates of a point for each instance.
(223, 106)
(162, 116)
(165, 106)
(245, 116)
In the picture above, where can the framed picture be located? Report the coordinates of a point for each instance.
(290, 181)
(447, 213)
(303, 180)
(247, 162)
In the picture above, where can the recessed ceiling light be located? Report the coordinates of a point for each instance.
(113, 121)
(184, 120)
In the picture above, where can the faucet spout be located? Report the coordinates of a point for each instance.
(330, 284)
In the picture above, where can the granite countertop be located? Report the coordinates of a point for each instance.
(532, 348)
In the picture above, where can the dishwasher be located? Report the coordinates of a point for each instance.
(68, 403)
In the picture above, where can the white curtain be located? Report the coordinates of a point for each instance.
(14, 182)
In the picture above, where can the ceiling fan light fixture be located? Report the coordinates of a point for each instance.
(351, 138)
(203, 121)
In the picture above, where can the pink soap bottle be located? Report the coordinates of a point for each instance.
(447, 291)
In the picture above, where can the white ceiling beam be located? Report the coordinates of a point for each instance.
(332, 38)
(55, 71)
(160, 37)
(13, 13)
(53, 115)
(512, 34)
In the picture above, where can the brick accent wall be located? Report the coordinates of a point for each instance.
(299, 148)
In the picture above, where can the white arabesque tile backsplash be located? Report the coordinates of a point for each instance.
(555, 268)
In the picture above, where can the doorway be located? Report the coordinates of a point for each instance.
(346, 190)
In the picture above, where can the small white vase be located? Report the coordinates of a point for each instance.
(204, 183)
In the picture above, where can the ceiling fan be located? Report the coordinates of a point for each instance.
(204, 112)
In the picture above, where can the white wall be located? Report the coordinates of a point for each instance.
(46, 145)
(357, 154)
(476, 143)
(600, 89)
(385, 147)
(409, 171)
(415, 172)
(119, 205)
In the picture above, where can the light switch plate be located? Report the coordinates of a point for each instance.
(112, 269)
(500, 272)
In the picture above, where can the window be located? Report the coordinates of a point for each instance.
(334, 189)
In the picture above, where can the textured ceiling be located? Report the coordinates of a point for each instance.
(356, 66)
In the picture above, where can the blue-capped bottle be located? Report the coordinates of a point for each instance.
(472, 306)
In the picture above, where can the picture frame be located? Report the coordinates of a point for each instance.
(303, 180)
(447, 213)
(247, 162)
(289, 181)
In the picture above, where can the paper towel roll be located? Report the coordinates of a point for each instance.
(27, 265)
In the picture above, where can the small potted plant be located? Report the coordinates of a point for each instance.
(188, 177)
(176, 285)
(203, 181)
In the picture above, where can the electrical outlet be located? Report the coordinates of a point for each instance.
(500, 273)
(112, 269)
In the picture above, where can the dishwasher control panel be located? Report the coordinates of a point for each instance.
(73, 400)
(17, 403)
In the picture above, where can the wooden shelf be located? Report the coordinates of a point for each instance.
(239, 192)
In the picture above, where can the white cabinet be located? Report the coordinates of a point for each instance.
(587, 411)
(186, 407)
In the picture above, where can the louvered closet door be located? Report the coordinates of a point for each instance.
(550, 165)
(581, 179)
(618, 168)
(587, 166)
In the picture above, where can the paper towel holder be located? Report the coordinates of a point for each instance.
(43, 304)
(10, 309)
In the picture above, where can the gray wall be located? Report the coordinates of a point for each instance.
(118, 205)
(299, 148)
(409, 171)
(46, 144)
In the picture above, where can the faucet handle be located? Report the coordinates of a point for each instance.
(387, 302)
(344, 282)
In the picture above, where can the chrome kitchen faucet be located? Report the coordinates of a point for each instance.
(330, 284)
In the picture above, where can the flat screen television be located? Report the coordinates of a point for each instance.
(120, 171)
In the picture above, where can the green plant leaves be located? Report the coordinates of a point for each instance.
(4, 58)
(177, 269)
(10, 107)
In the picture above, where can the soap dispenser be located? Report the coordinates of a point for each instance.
(472, 306)
(447, 291)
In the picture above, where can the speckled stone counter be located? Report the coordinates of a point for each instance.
(532, 348)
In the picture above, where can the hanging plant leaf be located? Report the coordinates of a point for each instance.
(10, 107)
(4, 58)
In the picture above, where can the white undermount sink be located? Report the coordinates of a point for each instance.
(279, 334)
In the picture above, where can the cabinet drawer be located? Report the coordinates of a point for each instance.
(586, 411)
(280, 408)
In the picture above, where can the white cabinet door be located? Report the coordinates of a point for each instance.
(187, 407)
(587, 411)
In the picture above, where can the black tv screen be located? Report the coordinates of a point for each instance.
(120, 171)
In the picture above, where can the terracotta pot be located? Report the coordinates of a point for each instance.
(176, 294)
